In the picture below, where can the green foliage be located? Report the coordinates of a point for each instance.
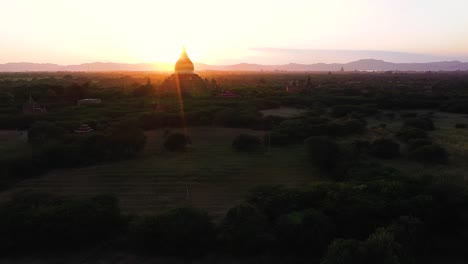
(344, 110)
(407, 134)
(324, 152)
(307, 231)
(460, 125)
(237, 118)
(343, 251)
(384, 148)
(379, 247)
(244, 230)
(176, 142)
(245, 142)
(42, 132)
(430, 154)
(423, 123)
(125, 140)
(417, 143)
(36, 221)
(182, 231)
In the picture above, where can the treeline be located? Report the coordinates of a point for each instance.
(51, 146)
(381, 218)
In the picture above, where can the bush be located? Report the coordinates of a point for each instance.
(245, 142)
(125, 140)
(308, 231)
(343, 251)
(384, 148)
(420, 122)
(41, 132)
(176, 142)
(416, 143)
(380, 247)
(324, 152)
(430, 154)
(183, 231)
(460, 125)
(409, 133)
(37, 221)
(244, 230)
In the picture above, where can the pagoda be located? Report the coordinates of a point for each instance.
(184, 80)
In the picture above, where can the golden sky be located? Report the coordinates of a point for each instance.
(217, 32)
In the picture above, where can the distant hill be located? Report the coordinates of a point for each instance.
(360, 65)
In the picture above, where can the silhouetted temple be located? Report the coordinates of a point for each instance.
(184, 78)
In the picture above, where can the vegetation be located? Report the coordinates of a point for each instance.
(245, 142)
(344, 177)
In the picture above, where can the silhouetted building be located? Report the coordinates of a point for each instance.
(184, 78)
(31, 107)
(84, 129)
(296, 86)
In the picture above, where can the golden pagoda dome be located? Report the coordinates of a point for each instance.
(184, 65)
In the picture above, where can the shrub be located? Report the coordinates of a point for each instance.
(125, 140)
(176, 142)
(324, 153)
(409, 133)
(380, 247)
(41, 132)
(308, 231)
(460, 125)
(416, 143)
(430, 154)
(37, 221)
(182, 231)
(420, 122)
(245, 142)
(244, 230)
(273, 201)
(384, 148)
(277, 138)
(343, 251)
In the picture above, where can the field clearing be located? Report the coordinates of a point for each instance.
(210, 175)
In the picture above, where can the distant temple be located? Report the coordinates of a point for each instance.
(184, 78)
(84, 129)
(31, 107)
(297, 86)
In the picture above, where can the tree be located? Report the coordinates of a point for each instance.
(41, 132)
(423, 123)
(324, 152)
(245, 142)
(176, 142)
(430, 154)
(410, 133)
(182, 231)
(308, 231)
(125, 139)
(245, 230)
(384, 148)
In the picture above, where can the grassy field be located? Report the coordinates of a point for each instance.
(445, 134)
(210, 175)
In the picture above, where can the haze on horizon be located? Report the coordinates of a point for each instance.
(226, 32)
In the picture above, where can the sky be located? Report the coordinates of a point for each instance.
(226, 32)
